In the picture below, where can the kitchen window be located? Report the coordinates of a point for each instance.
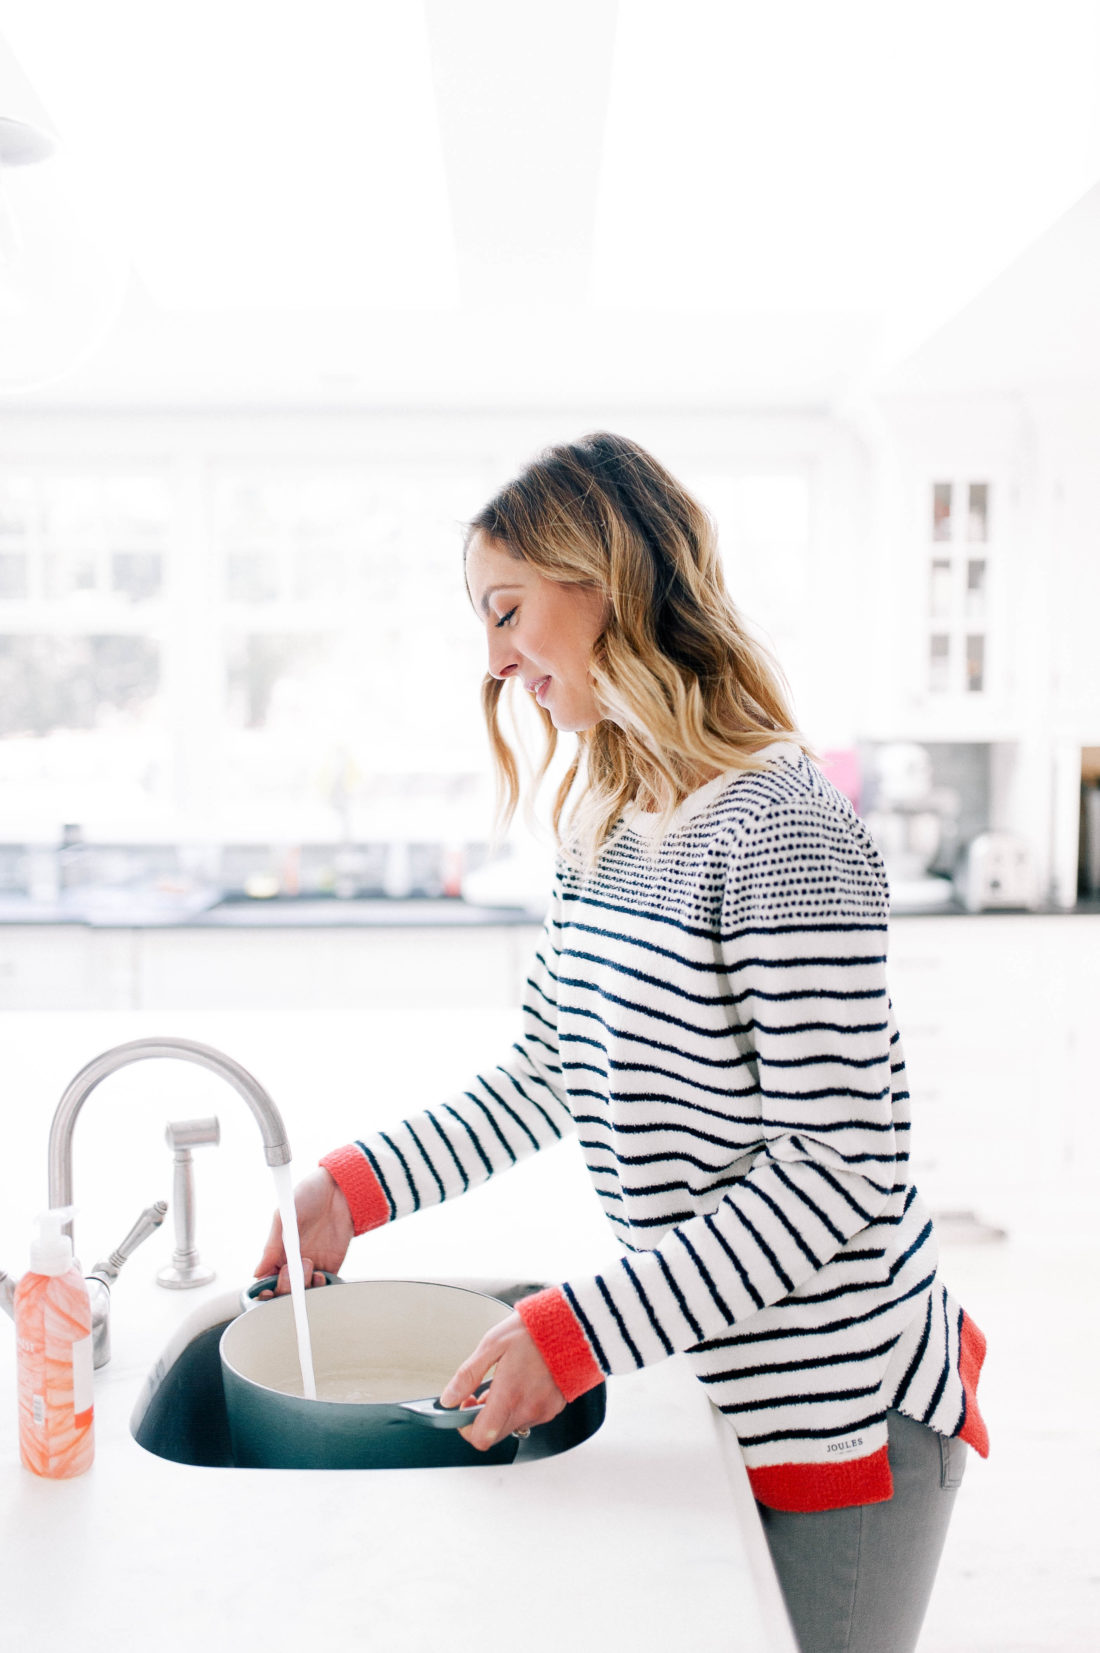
(257, 649)
(83, 644)
(220, 648)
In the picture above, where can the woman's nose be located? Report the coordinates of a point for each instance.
(502, 658)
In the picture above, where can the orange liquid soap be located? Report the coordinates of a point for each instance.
(53, 1334)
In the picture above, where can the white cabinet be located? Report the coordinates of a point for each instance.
(962, 533)
(71, 967)
(956, 599)
(993, 1014)
(959, 569)
(330, 969)
(66, 967)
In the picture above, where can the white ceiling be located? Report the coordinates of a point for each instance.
(1035, 328)
(492, 202)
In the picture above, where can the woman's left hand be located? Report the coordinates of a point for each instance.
(522, 1392)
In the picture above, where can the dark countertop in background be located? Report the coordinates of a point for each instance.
(155, 911)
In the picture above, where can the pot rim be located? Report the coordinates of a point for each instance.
(359, 1407)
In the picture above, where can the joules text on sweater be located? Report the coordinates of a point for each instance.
(709, 1012)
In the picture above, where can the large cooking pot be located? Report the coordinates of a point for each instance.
(378, 1347)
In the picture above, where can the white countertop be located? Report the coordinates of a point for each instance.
(644, 1530)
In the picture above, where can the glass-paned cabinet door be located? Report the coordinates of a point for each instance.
(959, 552)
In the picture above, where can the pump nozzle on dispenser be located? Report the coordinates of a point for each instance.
(51, 1246)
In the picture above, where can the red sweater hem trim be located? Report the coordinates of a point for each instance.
(971, 1357)
(367, 1201)
(560, 1340)
(806, 1487)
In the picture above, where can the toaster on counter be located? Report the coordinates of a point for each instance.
(996, 870)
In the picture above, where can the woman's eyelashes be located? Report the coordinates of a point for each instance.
(504, 619)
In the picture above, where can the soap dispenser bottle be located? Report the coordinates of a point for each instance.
(53, 1335)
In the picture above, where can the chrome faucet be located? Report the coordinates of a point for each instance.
(272, 1129)
(100, 1281)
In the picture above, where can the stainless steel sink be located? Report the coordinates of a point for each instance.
(184, 1417)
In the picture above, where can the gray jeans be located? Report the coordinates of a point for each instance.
(858, 1580)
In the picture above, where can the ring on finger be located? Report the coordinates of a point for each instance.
(521, 1434)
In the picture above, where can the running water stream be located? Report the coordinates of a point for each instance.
(284, 1190)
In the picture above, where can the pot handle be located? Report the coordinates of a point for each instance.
(430, 1412)
(250, 1296)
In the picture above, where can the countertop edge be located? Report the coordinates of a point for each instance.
(235, 917)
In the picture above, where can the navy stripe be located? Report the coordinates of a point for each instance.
(655, 1324)
(514, 1116)
(816, 1059)
(670, 1280)
(918, 1355)
(820, 1128)
(937, 1393)
(775, 1032)
(622, 1128)
(770, 1368)
(534, 1078)
(403, 1162)
(677, 1154)
(529, 1010)
(472, 1134)
(725, 1000)
(704, 1274)
(851, 1427)
(753, 1187)
(372, 1161)
(721, 966)
(619, 1321)
(816, 1395)
(750, 1289)
(780, 1272)
(492, 1123)
(836, 1186)
(725, 970)
(848, 1092)
(588, 1329)
(428, 1163)
(822, 1217)
(962, 1407)
(449, 1145)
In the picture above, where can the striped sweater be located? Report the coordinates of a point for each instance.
(709, 1012)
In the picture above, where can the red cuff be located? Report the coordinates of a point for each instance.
(560, 1341)
(805, 1487)
(971, 1356)
(365, 1195)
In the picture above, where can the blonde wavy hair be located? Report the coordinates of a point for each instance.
(687, 691)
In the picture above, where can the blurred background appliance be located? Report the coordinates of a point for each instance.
(908, 816)
(996, 869)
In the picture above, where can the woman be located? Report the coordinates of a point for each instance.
(708, 1009)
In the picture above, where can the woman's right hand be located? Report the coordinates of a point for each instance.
(325, 1230)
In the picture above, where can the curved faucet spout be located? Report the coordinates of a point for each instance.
(272, 1129)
